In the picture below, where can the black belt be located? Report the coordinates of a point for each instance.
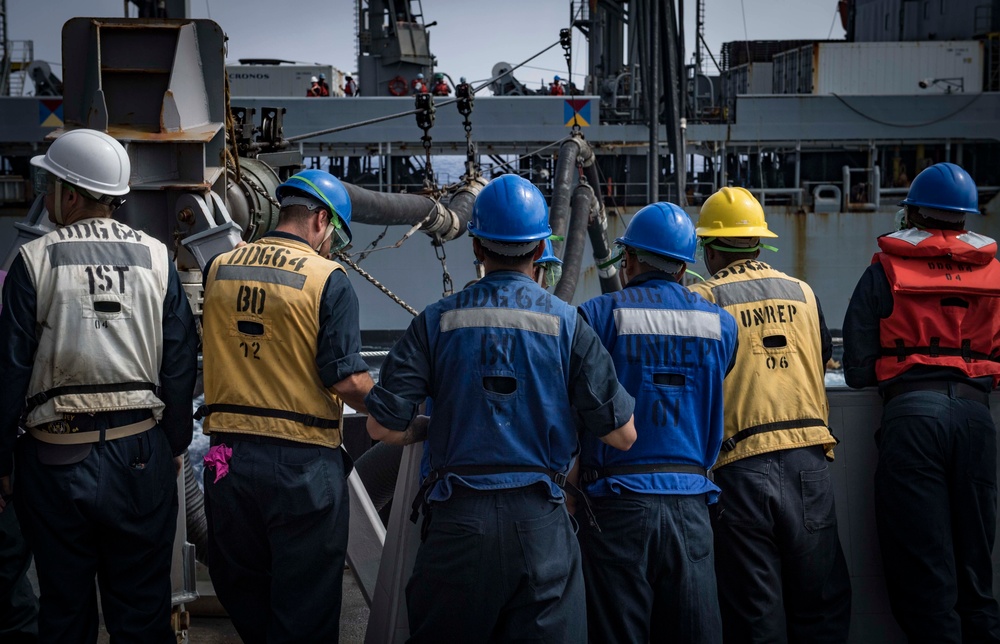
(458, 491)
(730, 444)
(934, 350)
(961, 390)
(559, 478)
(589, 476)
(246, 410)
(221, 437)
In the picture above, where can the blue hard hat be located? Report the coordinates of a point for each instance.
(420, 75)
(510, 209)
(556, 79)
(326, 188)
(664, 229)
(548, 257)
(944, 186)
(322, 75)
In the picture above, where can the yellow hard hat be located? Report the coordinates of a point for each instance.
(732, 212)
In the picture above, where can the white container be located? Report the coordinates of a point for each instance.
(894, 68)
(280, 80)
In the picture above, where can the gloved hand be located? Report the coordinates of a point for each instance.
(417, 430)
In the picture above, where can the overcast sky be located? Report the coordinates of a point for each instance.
(470, 38)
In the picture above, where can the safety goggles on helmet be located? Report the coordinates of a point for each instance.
(553, 273)
(335, 230)
(665, 264)
(43, 182)
(335, 227)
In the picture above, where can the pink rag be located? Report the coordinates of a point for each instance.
(218, 457)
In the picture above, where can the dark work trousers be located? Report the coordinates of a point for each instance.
(277, 539)
(112, 515)
(18, 604)
(498, 567)
(781, 571)
(935, 508)
(649, 572)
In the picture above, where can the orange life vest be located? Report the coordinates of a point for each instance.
(946, 303)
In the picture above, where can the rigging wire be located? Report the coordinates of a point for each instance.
(388, 117)
(907, 125)
(833, 22)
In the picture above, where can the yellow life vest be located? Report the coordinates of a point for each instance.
(261, 329)
(775, 396)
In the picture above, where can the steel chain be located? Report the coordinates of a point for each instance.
(341, 256)
(466, 101)
(425, 121)
(447, 286)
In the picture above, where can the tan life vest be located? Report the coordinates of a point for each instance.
(775, 396)
(261, 329)
(99, 286)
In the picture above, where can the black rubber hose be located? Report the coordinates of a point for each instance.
(590, 172)
(576, 239)
(378, 468)
(562, 187)
(197, 522)
(598, 232)
(387, 209)
(461, 206)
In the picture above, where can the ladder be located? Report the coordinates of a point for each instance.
(18, 55)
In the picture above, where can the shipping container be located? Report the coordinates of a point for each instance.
(881, 68)
(280, 80)
(754, 78)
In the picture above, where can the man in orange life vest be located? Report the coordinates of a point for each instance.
(418, 85)
(924, 324)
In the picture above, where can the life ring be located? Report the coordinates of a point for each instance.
(397, 86)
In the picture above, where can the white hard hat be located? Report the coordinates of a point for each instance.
(90, 160)
(313, 80)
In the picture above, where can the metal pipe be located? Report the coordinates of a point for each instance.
(582, 203)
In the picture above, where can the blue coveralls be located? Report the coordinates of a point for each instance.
(279, 519)
(650, 568)
(112, 514)
(935, 484)
(505, 363)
